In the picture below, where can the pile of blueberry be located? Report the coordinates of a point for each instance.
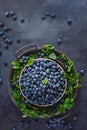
(42, 83)
(60, 123)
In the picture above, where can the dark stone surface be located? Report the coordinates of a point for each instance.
(36, 30)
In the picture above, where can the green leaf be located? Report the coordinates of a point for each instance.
(30, 61)
(52, 56)
(21, 61)
(15, 65)
(49, 46)
(70, 65)
(45, 81)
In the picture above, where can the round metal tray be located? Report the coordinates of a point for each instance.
(28, 49)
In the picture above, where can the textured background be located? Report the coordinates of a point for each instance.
(39, 31)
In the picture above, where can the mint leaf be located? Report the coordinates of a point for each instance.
(45, 81)
(15, 65)
(30, 61)
(52, 56)
(49, 46)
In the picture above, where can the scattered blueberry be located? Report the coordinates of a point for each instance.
(1, 33)
(9, 28)
(5, 64)
(59, 41)
(5, 46)
(22, 20)
(1, 25)
(14, 17)
(14, 128)
(6, 40)
(43, 17)
(12, 13)
(47, 14)
(18, 40)
(69, 21)
(74, 118)
(0, 53)
(9, 41)
(82, 72)
(5, 28)
(1, 81)
(4, 36)
(7, 14)
(53, 15)
(21, 123)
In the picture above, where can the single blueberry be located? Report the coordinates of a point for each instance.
(7, 14)
(69, 21)
(5, 46)
(5, 28)
(0, 53)
(43, 17)
(59, 40)
(1, 24)
(82, 72)
(14, 17)
(74, 118)
(9, 41)
(4, 37)
(1, 80)
(6, 40)
(22, 20)
(5, 64)
(18, 40)
(53, 15)
(12, 13)
(9, 28)
(1, 33)
(14, 128)
(47, 13)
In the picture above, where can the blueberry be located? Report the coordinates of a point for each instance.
(69, 125)
(7, 14)
(82, 72)
(5, 46)
(59, 41)
(69, 21)
(5, 64)
(47, 14)
(54, 125)
(0, 53)
(74, 118)
(1, 33)
(14, 128)
(22, 20)
(6, 28)
(12, 85)
(53, 15)
(12, 13)
(43, 17)
(21, 123)
(9, 28)
(4, 37)
(1, 81)
(6, 40)
(14, 17)
(18, 40)
(9, 41)
(1, 25)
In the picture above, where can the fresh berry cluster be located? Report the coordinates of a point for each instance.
(42, 82)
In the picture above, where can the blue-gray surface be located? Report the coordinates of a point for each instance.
(36, 30)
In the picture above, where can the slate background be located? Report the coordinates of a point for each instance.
(39, 31)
